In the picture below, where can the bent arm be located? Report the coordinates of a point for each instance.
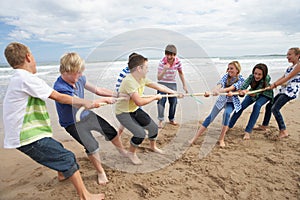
(160, 74)
(181, 76)
(284, 79)
(139, 101)
(67, 99)
(99, 91)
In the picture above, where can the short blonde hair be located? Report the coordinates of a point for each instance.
(296, 50)
(15, 54)
(71, 62)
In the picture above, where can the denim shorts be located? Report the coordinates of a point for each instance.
(52, 154)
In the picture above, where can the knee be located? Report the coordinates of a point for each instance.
(227, 115)
(92, 147)
(153, 137)
(257, 106)
(136, 141)
(112, 135)
(152, 129)
(70, 157)
(153, 133)
(274, 109)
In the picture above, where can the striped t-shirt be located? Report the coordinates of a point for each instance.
(121, 76)
(170, 74)
(25, 116)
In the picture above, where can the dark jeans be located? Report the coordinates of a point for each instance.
(162, 102)
(260, 101)
(279, 101)
(52, 154)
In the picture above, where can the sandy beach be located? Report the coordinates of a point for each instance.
(261, 168)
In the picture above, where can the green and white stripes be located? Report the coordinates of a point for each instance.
(36, 123)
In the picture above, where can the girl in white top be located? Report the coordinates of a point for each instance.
(290, 87)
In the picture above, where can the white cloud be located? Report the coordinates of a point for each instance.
(223, 27)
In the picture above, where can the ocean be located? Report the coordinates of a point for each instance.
(201, 74)
(205, 71)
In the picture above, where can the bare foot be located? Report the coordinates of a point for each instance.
(157, 150)
(197, 135)
(246, 136)
(222, 143)
(173, 123)
(160, 124)
(123, 152)
(93, 197)
(260, 128)
(102, 179)
(134, 158)
(283, 134)
(190, 142)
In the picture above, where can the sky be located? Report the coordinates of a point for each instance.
(219, 27)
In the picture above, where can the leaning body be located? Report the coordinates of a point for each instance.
(27, 124)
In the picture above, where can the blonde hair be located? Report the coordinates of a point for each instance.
(237, 65)
(71, 62)
(296, 50)
(15, 54)
(239, 68)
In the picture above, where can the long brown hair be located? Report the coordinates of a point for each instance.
(263, 67)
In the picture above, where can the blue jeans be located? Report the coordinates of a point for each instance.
(268, 114)
(172, 101)
(52, 154)
(279, 101)
(215, 111)
(260, 101)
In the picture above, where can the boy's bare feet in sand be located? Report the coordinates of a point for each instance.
(102, 179)
(283, 134)
(246, 136)
(222, 143)
(134, 158)
(123, 152)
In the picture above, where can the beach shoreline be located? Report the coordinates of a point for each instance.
(261, 168)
